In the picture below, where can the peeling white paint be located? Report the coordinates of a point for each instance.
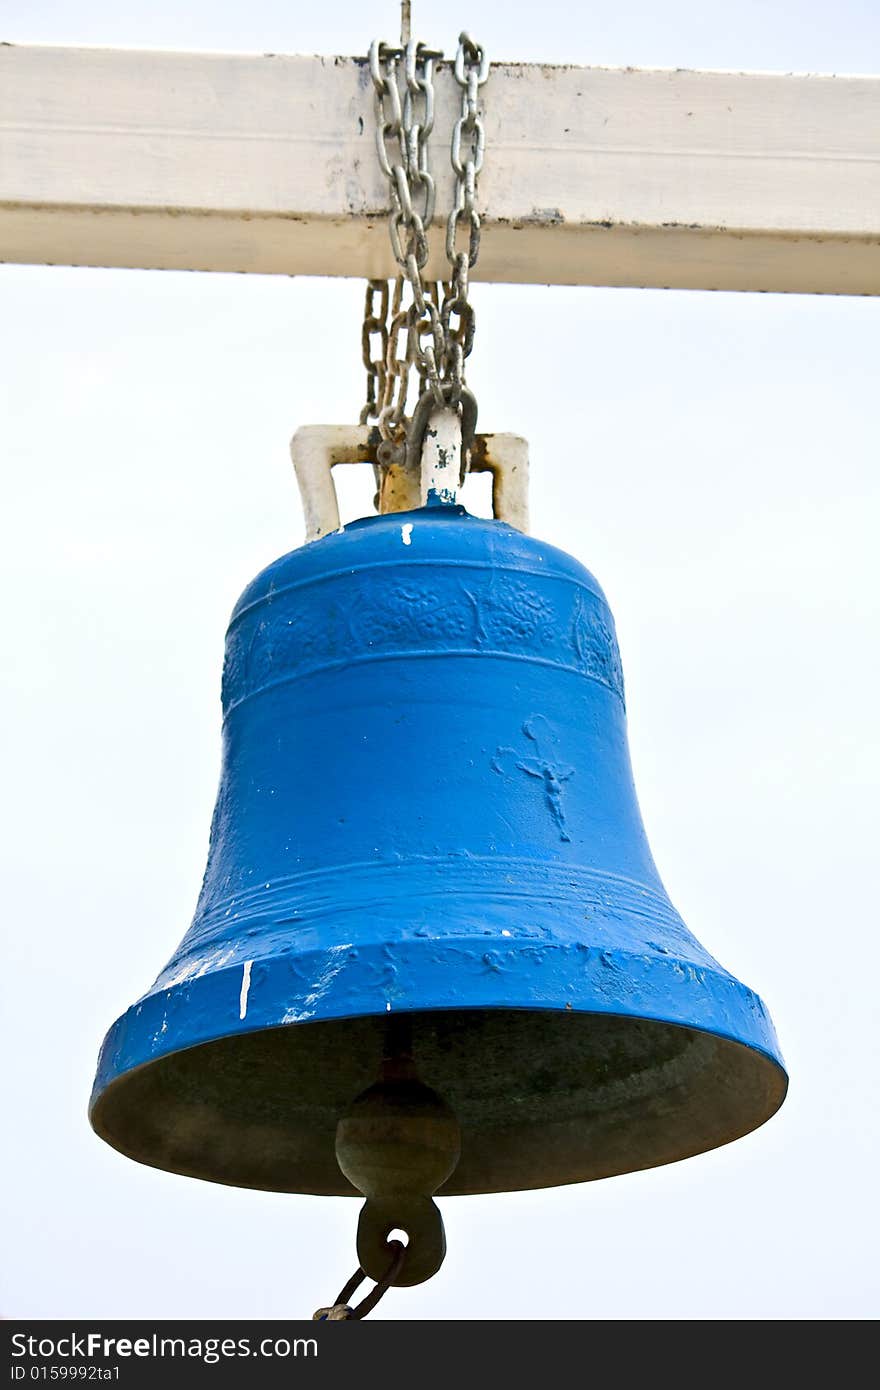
(195, 969)
(215, 962)
(441, 454)
(388, 1007)
(335, 962)
(505, 932)
(179, 977)
(406, 533)
(245, 987)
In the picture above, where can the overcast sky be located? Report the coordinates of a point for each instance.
(712, 458)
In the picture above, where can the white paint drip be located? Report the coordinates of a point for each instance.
(245, 987)
(388, 1007)
(335, 962)
(406, 533)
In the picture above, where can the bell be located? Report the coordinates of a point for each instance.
(427, 813)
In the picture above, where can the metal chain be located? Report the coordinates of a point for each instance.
(403, 126)
(439, 329)
(471, 71)
(374, 323)
(340, 1311)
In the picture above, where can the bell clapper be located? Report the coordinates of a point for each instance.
(397, 1144)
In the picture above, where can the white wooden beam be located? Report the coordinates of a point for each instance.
(593, 176)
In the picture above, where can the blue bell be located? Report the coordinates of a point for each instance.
(427, 814)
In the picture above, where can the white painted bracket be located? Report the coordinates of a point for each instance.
(506, 457)
(316, 449)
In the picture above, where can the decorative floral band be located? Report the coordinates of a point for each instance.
(343, 618)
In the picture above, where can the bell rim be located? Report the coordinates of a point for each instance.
(180, 998)
(100, 1102)
(197, 999)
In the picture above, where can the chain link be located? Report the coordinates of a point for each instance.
(374, 324)
(342, 1311)
(468, 149)
(438, 327)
